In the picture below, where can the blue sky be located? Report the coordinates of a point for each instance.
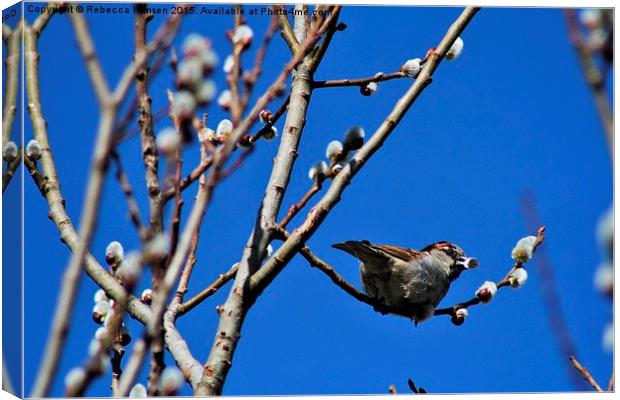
(511, 115)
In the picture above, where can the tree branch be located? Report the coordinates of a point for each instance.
(379, 77)
(150, 153)
(209, 291)
(11, 62)
(220, 358)
(286, 30)
(87, 48)
(586, 374)
(263, 277)
(593, 77)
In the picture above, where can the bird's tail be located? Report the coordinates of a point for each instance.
(363, 250)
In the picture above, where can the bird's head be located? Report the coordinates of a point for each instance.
(453, 256)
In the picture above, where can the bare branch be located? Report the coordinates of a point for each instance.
(295, 208)
(12, 65)
(150, 154)
(593, 76)
(286, 30)
(132, 204)
(380, 77)
(551, 297)
(87, 48)
(41, 22)
(209, 291)
(11, 168)
(585, 373)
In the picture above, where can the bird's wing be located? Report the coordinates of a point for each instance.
(398, 252)
(367, 251)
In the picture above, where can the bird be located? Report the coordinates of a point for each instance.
(409, 282)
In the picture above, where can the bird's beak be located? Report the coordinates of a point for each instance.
(468, 263)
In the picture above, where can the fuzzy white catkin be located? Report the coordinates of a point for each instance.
(147, 295)
(456, 49)
(224, 128)
(338, 166)
(604, 278)
(590, 17)
(171, 380)
(229, 63)
(107, 322)
(518, 277)
(138, 391)
(608, 338)
(115, 251)
(189, 72)
(168, 141)
(209, 60)
(354, 138)
(33, 150)
(269, 250)
(131, 268)
(524, 249)
(319, 169)
(158, 246)
(243, 34)
(462, 313)
(486, 291)
(605, 232)
(334, 149)
(102, 308)
(101, 333)
(184, 104)
(597, 39)
(206, 91)
(9, 152)
(194, 44)
(206, 135)
(100, 296)
(271, 133)
(74, 378)
(225, 99)
(411, 68)
(372, 87)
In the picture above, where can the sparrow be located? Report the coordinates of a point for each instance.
(411, 283)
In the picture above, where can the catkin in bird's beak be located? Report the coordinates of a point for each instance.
(469, 263)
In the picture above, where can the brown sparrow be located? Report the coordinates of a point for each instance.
(410, 282)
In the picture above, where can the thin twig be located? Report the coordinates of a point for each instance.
(593, 76)
(295, 208)
(190, 178)
(380, 77)
(272, 121)
(236, 108)
(551, 295)
(585, 373)
(209, 291)
(251, 78)
(132, 204)
(505, 282)
(87, 48)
